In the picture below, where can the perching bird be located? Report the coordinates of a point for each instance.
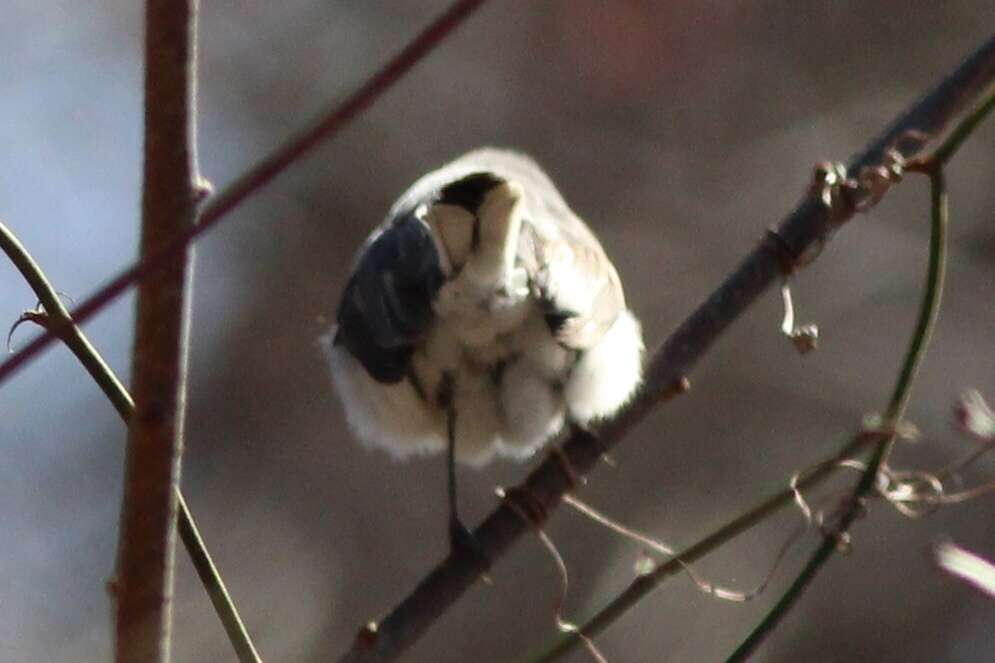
(480, 318)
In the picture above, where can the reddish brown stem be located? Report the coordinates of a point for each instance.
(148, 519)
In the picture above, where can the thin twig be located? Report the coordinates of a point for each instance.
(74, 339)
(643, 585)
(71, 335)
(645, 564)
(61, 323)
(329, 124)
(925, 323)
(933, 165)
(562, 624)
(143, 588)
(805, 229)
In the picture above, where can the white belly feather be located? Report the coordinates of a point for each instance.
(489, 353)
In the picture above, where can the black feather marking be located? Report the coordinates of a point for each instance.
(475, 237)
(556, 320)
(444, 391)
(416, 384)
(387, 305)
(497, 371)
(469, 191)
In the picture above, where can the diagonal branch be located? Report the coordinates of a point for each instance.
(800, 235)
(329, 124)
(144, 583)
(644, 584)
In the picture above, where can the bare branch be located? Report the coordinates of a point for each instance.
(329, 124)
(972, 413)
(144, 584)
(798, 237)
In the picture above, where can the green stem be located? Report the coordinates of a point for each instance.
(896, 408)
(815, 563)
(929, 308)
(72, 336)
(899, 400)
(645, 584)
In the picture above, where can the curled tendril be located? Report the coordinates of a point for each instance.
(562, 624)
(645, 565)
(36, 316)
(804, 337)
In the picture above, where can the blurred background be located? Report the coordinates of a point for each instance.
(679, 130)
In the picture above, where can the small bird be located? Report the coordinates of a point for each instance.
(481, 318)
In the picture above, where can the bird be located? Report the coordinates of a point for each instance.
(481, 318)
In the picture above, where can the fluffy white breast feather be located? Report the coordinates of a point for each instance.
(485, 294)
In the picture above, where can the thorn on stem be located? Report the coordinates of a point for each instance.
(37, 316)
(202, 189)
(367, 637)
(525, 505)
(644, 564)
(840, 537)
(678, 387)
(573, 479)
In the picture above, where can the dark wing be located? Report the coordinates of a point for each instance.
(387, 305)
